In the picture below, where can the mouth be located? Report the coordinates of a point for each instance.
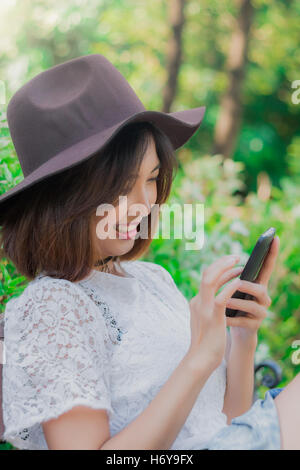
(126, 231)
(123, 228)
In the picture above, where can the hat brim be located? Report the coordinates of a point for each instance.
(179, 126)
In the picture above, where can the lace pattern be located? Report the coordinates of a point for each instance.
(107, 342)
(55, 358)
(115, 332)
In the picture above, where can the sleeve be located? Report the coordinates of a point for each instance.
(56, 355)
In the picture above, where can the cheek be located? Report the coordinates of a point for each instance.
(105, 224)
(153, 194)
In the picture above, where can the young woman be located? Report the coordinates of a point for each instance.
(102, 349)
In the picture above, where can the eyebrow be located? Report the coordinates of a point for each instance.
(157, 166)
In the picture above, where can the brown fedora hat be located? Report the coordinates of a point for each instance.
(68, 112)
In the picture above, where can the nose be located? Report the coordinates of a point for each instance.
(145, 200)
(142, 201)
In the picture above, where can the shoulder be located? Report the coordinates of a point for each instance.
(47, 301)
(156, 270)
(46, 290)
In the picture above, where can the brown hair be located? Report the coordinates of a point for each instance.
(47, 227)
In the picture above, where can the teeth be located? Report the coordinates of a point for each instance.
(125, 229)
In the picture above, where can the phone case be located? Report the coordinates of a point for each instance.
(252, 268)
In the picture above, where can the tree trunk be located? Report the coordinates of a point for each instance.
(174, 51)
(229, 120)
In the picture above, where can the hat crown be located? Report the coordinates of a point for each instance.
(66, 104)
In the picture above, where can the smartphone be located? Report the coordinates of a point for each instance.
(252, 268)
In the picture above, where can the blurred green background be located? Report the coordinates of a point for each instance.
(240, 59)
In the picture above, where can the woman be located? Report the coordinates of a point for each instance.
(102, 349)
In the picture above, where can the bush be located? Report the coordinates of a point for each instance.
(232, 225)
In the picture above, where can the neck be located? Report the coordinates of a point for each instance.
(109, 265)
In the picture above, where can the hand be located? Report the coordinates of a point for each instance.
(208, 320)
(246, 327)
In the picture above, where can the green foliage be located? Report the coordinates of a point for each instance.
(7, 446)
(233, 226)
(10, 172)
(47, 32)
(11, 283)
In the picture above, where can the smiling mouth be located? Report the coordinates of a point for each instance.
(126, 228)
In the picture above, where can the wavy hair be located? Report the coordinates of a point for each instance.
(47, 227)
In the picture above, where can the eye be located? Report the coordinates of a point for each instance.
(154, 179)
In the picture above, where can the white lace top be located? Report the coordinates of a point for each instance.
(115, 352)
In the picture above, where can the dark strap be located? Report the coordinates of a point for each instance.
(1, 361)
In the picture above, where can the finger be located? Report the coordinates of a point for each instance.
(258, 290)
(227, 276)
(224, 296)
(243, 322)
(269, 263)
(247, 306)
(213, 272)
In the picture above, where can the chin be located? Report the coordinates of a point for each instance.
(123, 247)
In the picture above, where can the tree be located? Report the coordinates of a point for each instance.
(230, 115)
(174, 51)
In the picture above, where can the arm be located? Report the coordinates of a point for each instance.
(158, 425)
(155, 428)
(240, 367)
(240, 378)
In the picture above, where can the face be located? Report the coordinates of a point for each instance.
(130, 210)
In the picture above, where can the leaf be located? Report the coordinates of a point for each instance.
(6, 275)
(7, 173)
(16, 281)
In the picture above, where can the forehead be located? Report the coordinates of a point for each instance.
(150, 159)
